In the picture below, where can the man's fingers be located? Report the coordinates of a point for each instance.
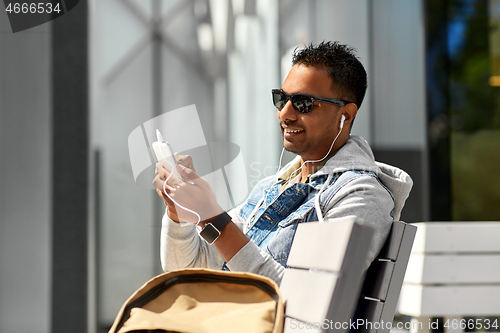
(184, 160)
(161, 171)
(159, 182)
(188, 175)
(158, 168)
(160, 193)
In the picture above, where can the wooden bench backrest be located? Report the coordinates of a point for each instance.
(454, 270)
(384, 279)
(324, 277)
(456, 253)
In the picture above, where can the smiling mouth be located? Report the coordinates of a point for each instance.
(287, 130)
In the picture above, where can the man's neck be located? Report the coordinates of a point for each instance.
(311, 167)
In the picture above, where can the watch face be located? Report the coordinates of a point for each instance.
(210, 233)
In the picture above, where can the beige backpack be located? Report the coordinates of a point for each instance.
(203, 301)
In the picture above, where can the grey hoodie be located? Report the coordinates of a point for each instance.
(367, 199)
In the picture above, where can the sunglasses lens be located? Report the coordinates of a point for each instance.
(302, 103)
(279, 100)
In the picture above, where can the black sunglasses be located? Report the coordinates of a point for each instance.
(301, 102)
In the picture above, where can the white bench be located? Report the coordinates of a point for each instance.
(322, 285)
(454, 271)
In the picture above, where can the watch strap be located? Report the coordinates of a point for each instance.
(212, 230)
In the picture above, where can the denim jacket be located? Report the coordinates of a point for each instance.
(273, 225)
(374, 193)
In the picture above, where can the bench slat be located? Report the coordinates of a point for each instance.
(321, 245)
(308, 294)
(442, 269)
(435, 301)
(391, 247)
(372, 311)
(438, 237)
(379, 277)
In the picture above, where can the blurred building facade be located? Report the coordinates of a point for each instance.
(431, 109)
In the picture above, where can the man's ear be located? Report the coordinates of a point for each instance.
(349, 111)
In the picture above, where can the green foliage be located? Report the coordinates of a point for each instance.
(475, 182)
(473, 100)
(475, 116)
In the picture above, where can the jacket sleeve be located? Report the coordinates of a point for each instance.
(370, 203)
(253, 260)
(182, 247)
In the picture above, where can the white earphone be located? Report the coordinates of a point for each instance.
(342, 122)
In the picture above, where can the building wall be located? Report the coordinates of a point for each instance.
(399, 121)
(25, 171)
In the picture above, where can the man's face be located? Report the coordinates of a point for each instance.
(309, 135)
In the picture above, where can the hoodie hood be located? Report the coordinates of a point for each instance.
(356, 154)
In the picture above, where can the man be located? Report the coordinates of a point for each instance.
(316, 106)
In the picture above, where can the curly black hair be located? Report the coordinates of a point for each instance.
(341, 63)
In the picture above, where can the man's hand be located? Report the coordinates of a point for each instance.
(192, 192)
(195, 193)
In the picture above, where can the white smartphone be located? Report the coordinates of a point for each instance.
(163, 151)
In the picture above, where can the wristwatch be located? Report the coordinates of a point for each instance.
(212, 230)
